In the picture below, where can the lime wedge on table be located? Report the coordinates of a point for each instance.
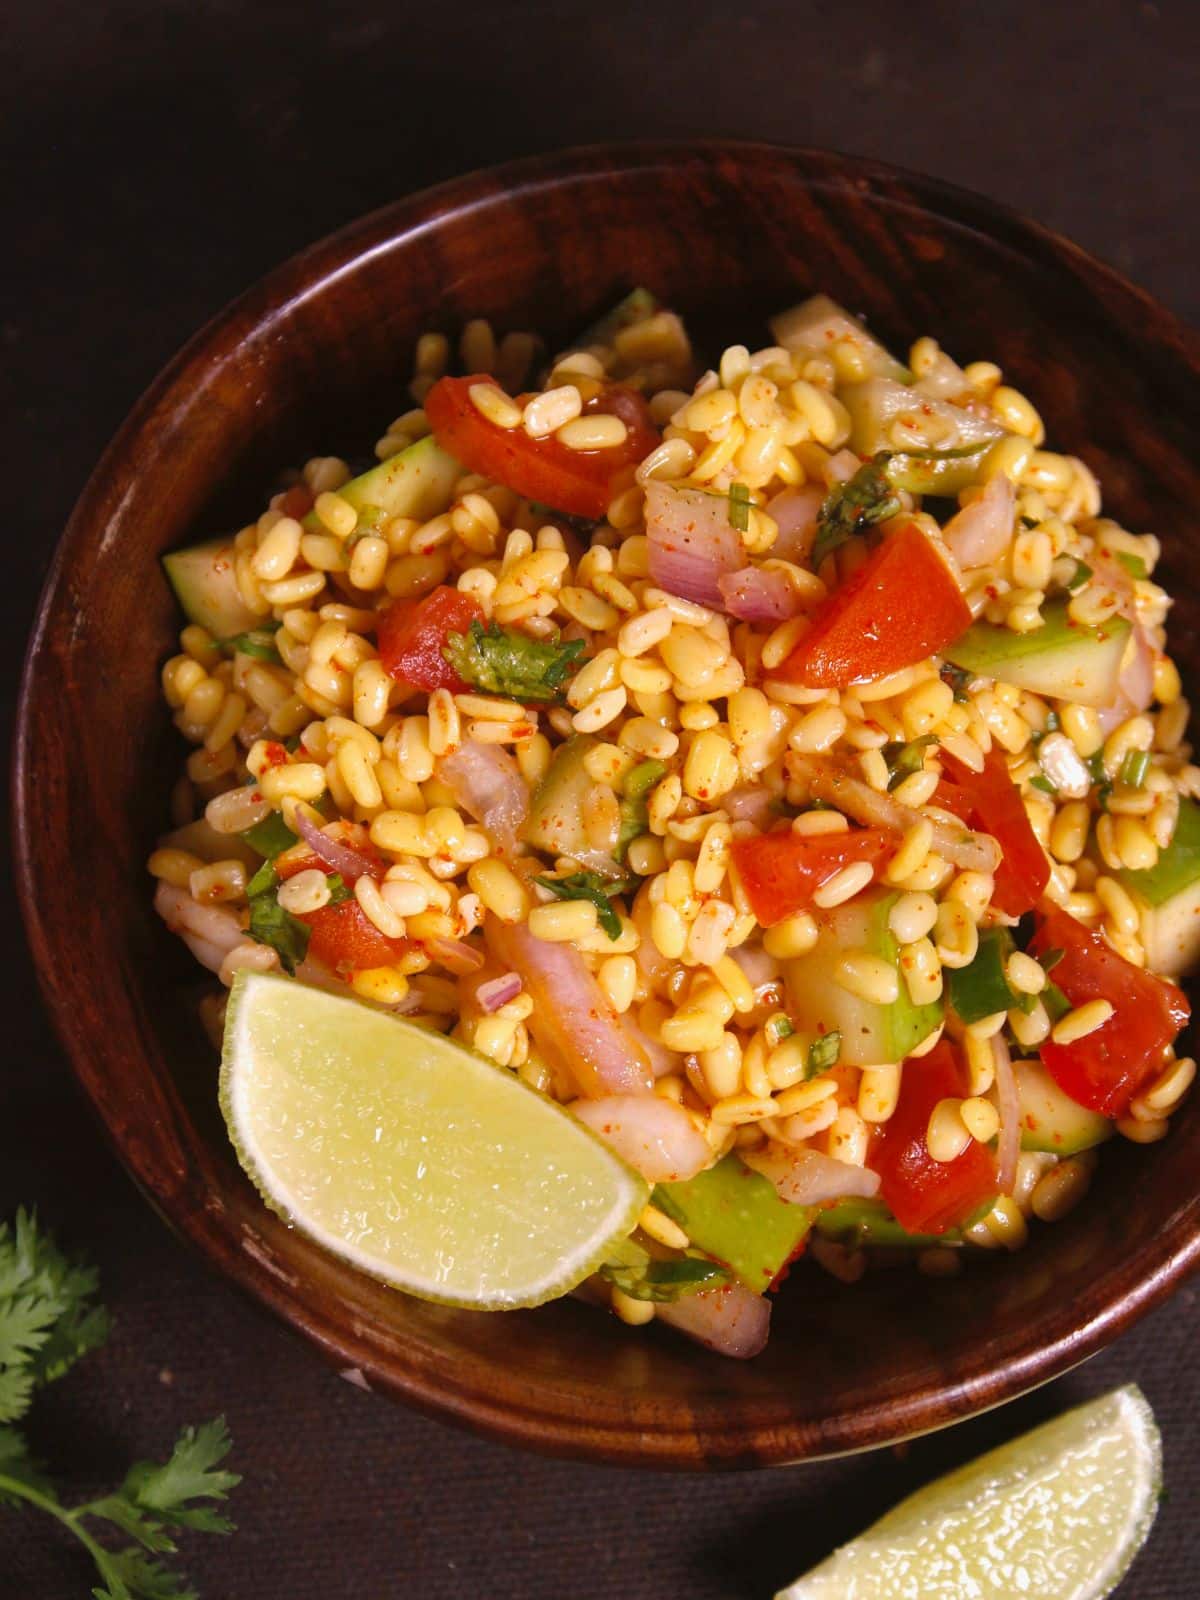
(1059, 1513)
(412, 1157)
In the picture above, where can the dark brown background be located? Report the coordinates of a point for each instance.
(159, 157)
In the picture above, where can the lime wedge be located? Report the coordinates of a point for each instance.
(412, 1157)
(1059, 1513)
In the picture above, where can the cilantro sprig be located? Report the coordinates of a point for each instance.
(862, 501)
(503, 661)
(636, 1273)
(593, 887)
(49, 1319)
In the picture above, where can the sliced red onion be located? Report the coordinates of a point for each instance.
(352, 864)
(655, 1136)
(745, 804)
(1008, 1143)
(760, 968)
(487, 783)
(692, 542)
(794, 512)
(573, 1021)
(1135, 686)
(759, 594)
(809, 1178)
(840, 468)
(497, 992)
(982, 531)
(730, 1320)
(454, 955)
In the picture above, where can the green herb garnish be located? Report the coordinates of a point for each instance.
(739, 507)
(1041, 782)
(957, 678)
(49, 1318)
(1134, 768)
(905, 759)
(1050, 959)
(503, 661)
(1135, 566)
(1055, 1001)
(824, 1054)
(635, 818)
(862, 501)
(270, 924)
(1079, 577)
(270, 837)
(593, 887)
(257, 643)
(777, 1028)
(636, 1273)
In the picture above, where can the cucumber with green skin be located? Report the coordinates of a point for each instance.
(1167, 896)
(1050, 1119)
(555, 820)
(1062, 658)
(862, 1222)
(817, 324)
(737, 1217)
(416, 482)
(205, 583)
(1177, 867)
(878, 404)
(870, 1034)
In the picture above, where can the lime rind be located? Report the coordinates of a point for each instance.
(616, 1193)
(1060, 1512)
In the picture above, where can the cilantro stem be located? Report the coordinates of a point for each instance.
(68, 1518)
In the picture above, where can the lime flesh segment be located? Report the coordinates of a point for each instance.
(1059, 1513)
(412, 1157)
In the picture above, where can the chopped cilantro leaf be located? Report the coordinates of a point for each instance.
(636, 1273)
(824, 1053)
(739, 507)
(862, 501)
(641, 779)
(270, 924)
(1135, 566)
(256, 642)
(957, 678)
(1055, 1001)
(594, 888)
(1050, 959)
(1135, 767)
(1079, 577)
(503, 661)
(905, 759)
(1042, 783)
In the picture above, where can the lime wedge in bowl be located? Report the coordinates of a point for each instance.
(1059, 1513)
(412, 1157)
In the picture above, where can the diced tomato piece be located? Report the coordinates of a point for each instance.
(413, 634)
(1104, 1070)
(782, 871)
(345, 939)
(991, 802)
(903, 604)
(924, 1195)
(575, 481)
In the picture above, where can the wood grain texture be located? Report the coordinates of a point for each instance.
(312, 360)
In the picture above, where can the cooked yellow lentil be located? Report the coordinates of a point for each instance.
(671, 734)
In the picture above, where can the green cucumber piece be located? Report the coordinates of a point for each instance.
(555, 821)
(637, 305)
(202, 577)
(981, 988)
(416, 482)
(871, 1034)
(1170, 932)
(1177, 867)
(1050, 1119)
(876, 405)
(1061, 659)
(737, 1217)
(869, 1222)
(816, 324)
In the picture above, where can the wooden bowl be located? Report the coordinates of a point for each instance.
(315, 360)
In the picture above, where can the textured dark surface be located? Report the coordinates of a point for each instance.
(171, 155)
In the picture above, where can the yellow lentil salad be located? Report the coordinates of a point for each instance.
(779, 764)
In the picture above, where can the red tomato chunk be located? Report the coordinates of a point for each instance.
(991, 802)
(924, 1195)
(781, 872)
(413, 634)
(575, 481)
(903, 604)
(1105, 1069)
